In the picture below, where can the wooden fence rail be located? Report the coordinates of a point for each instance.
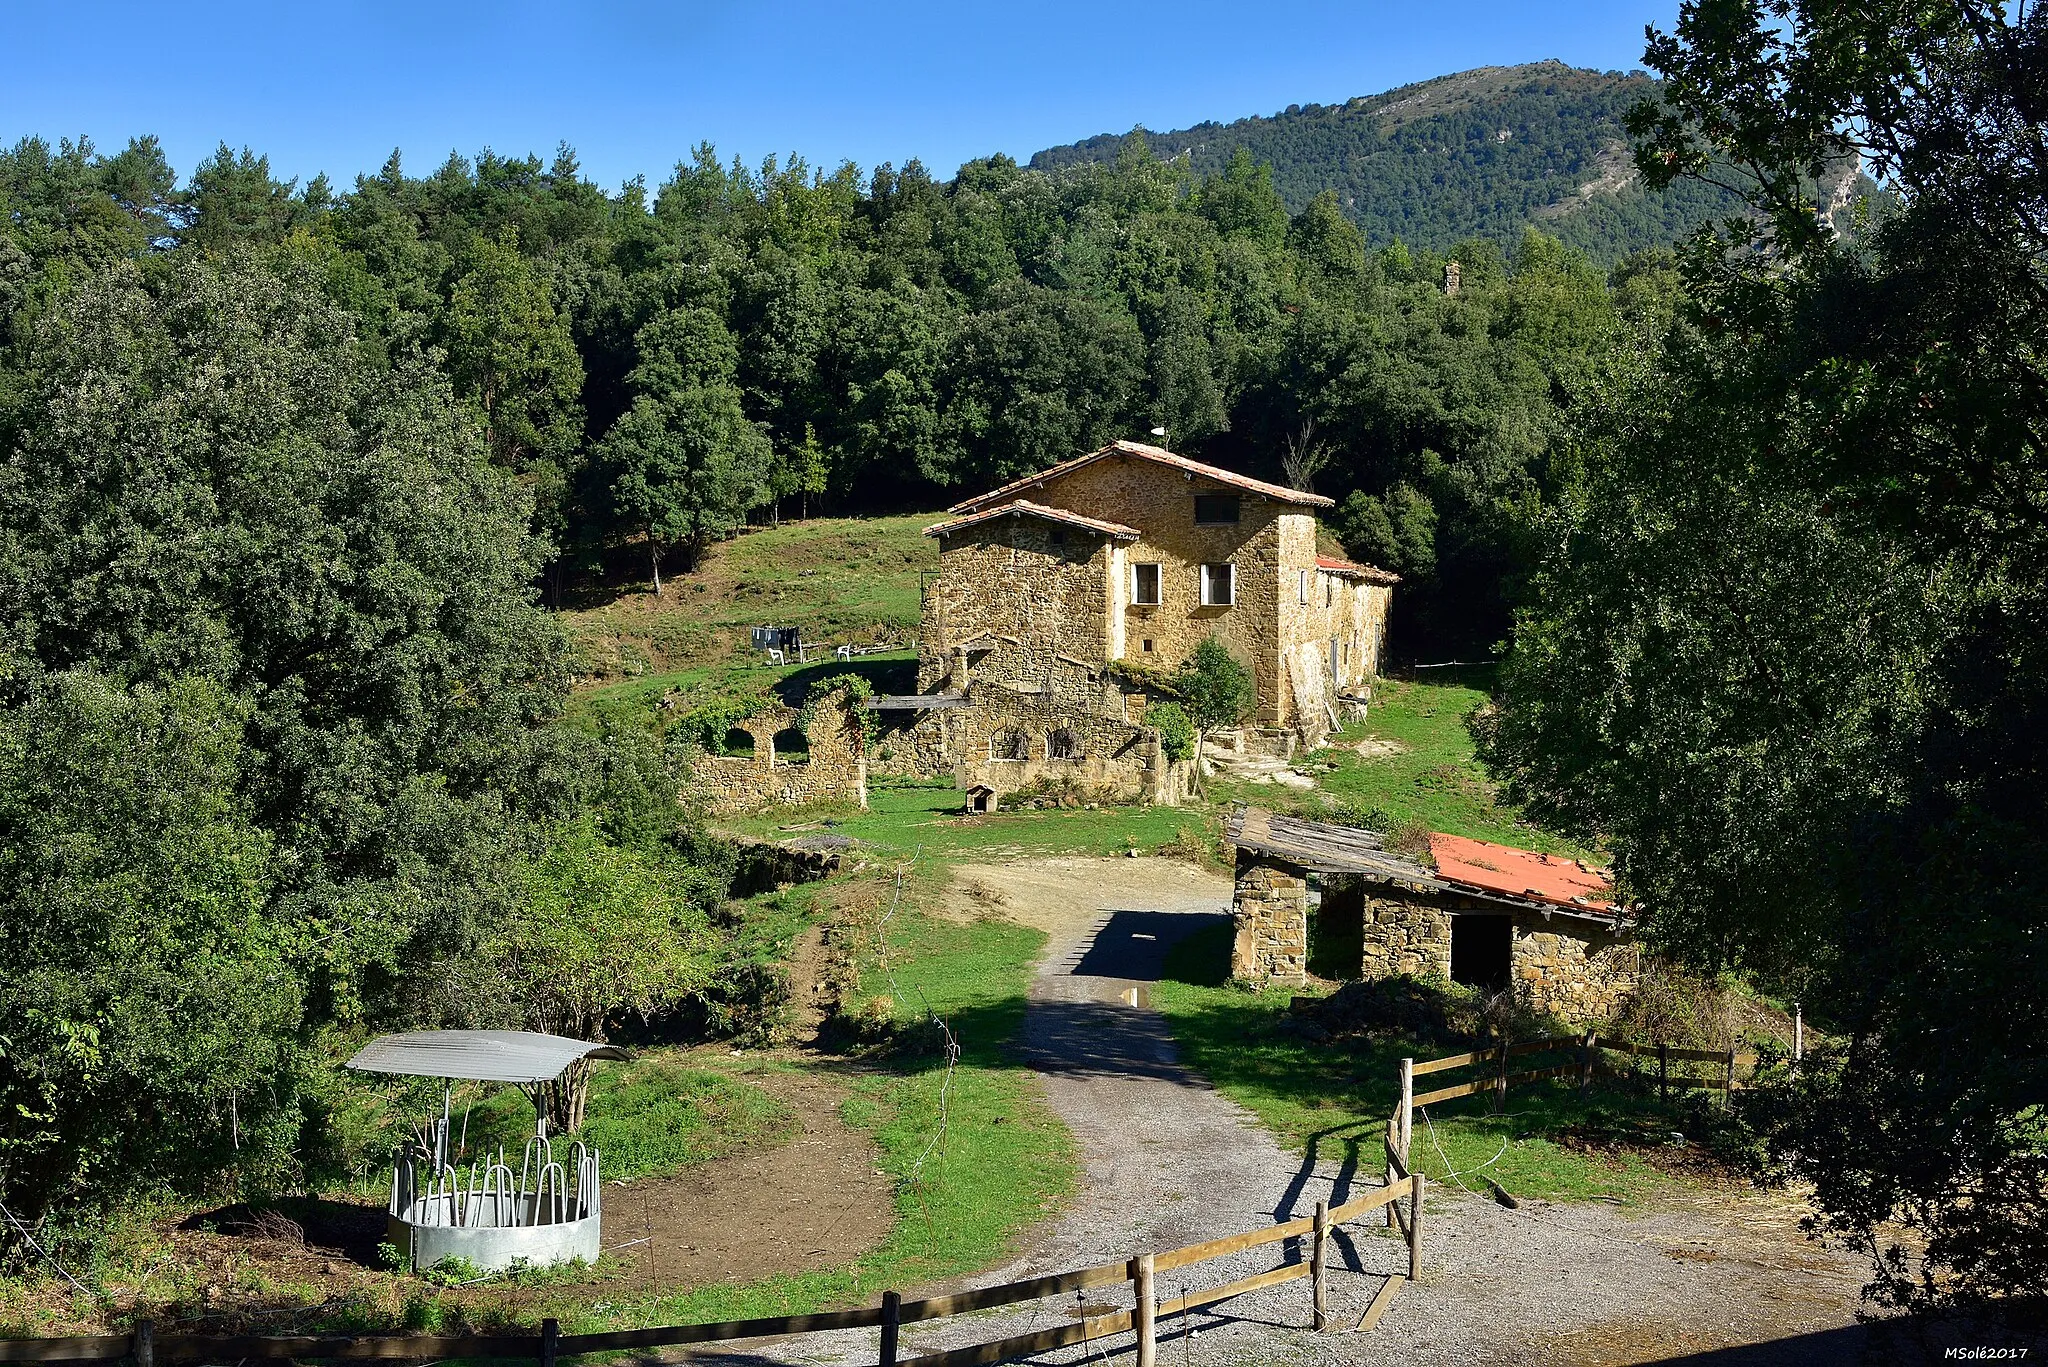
(1588, 1048)
(145, 1347)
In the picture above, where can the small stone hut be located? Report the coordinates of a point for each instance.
(1489, 916)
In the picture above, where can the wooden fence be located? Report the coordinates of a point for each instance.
(1586, 1063)
(146, 1348)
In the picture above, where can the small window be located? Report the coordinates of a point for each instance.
(1063, 743)
(1303, 585)
(1145, 585)
(1219, 585)
(1148, 645)
(1216, 510)
(1008, 746)
(1329, 589)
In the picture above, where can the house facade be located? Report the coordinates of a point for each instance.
(1130, 556)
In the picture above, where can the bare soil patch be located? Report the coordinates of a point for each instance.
(816, 1201)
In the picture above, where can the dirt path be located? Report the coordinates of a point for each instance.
(816, 1201)
(1169, 1161)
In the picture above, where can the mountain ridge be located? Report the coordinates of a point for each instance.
(1483, 153)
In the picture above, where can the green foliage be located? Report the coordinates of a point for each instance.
(1479, 154)
(1176, 729)
(1786, 649)
(660, 372)
(1214, 687)
(233, 537)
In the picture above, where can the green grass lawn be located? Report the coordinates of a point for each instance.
(977, 1157)
(1425, 777)
(1332, 1100)
(836, 579)
(652, 1117)
(904, 817)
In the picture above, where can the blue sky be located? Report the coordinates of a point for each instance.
(336, 85)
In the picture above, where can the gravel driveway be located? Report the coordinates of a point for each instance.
(1169, 1161)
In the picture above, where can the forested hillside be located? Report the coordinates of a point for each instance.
(655, 367)
(1483, 153)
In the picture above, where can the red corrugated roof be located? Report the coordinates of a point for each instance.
(1520, 873)
(1026, 508)
(1353, 569)
(1158, 454)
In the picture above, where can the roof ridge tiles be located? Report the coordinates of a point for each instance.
(1158, 454)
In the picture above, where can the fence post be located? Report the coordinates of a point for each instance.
(550, 1341)
(1315, 1266)
(1728, 1092)
(1415, 1185)
(1587, 1043)
(1404, 1119)
(1500, 1081)
(1798, 1033)
(145, 1342)
(1146, 1301)
(892, 1317)
(1663, 1072)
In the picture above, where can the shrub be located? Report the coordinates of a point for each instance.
(1176, 730)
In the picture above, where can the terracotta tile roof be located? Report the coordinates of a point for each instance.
(1160, 455)
(1521, 873)
(1351, 569)
(1025, 508)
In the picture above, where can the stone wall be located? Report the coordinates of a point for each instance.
(1270, 909)
(1565, 966)
(1572, 969)
(1405, 935)
(834, 770)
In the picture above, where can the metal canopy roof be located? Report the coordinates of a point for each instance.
(521, 1056)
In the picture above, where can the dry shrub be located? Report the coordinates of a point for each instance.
(1675, 1005)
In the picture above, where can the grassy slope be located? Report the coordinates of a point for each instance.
(1333, 1099)
(1432, 781)
(836, 579)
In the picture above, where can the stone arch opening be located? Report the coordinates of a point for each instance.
(792, 746)
(1063, 742)
(1009, 744)
(739, 743)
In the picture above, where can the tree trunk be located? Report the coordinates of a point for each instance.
(654, 553)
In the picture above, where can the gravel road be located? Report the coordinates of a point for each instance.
(1728, 1281)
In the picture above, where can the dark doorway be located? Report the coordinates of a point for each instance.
(1480, 950)
(1336, 928)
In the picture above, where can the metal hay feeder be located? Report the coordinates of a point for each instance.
(545, 1212)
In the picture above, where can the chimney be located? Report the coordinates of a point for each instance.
(1451, 279)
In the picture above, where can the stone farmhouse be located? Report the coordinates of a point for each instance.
(1489, 916)
(1057, 595)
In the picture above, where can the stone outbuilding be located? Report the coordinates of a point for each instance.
(1488, 916)
(793, 760)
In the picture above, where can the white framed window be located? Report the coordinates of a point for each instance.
(1145, 586)
(1219, 585)
(1302, 584)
